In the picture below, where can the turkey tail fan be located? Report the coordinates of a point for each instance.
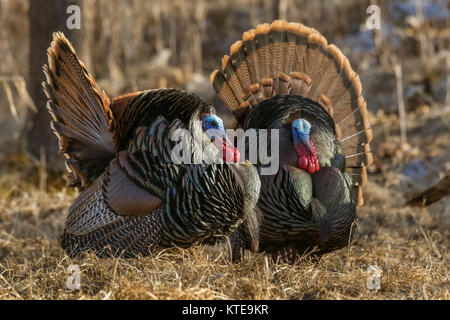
(291, 59)
(82, 118)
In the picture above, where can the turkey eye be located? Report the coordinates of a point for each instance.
(214, 124)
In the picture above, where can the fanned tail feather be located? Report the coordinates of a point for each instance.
(290, 58)
(82, 118)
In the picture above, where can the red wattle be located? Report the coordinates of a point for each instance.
(306, 160)
(311, 167)
(237, 155)
(302, 163)
(230, 155)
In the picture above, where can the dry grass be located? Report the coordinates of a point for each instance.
(410, 245)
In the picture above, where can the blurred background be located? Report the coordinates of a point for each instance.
(140, 44)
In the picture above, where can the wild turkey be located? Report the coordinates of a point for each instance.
(286, 76)
(118, 152)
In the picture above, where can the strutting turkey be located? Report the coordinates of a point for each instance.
(286, 76)
(134, 198)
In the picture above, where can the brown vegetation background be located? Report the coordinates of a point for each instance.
(141, 44)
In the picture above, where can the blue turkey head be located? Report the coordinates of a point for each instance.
(215, 124)
(307, 156)
(300, 132)
(211, 121)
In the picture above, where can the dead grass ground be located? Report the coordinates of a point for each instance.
(410, 245)
(405, 244)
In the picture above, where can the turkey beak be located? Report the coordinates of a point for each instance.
(306, 142)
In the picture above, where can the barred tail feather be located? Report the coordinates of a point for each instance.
(82, 117)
